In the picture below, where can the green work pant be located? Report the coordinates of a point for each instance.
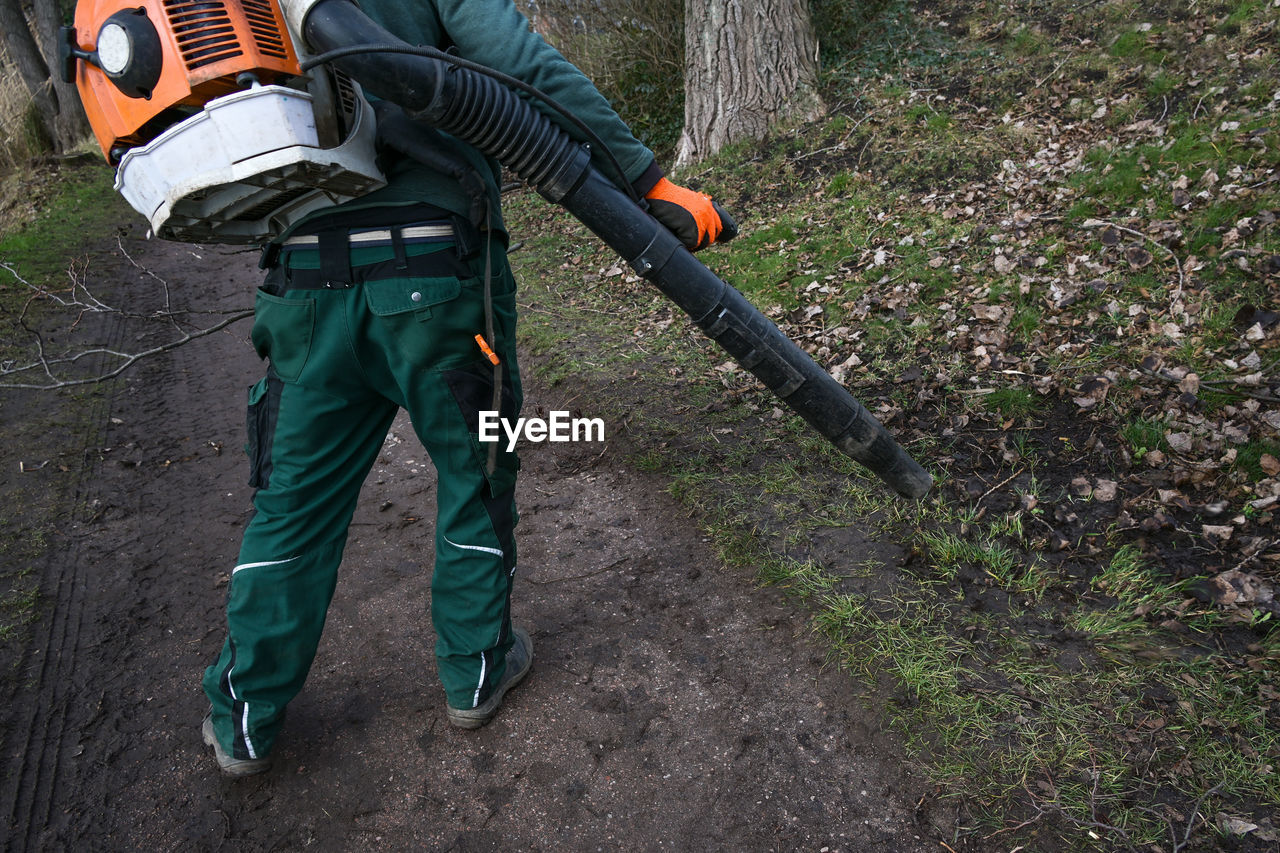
(341, 363)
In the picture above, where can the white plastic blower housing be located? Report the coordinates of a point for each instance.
(247, 167)
(252, 163)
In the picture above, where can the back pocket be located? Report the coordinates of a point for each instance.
(389, 297)
(282, 332)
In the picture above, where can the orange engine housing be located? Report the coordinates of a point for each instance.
(205, 46)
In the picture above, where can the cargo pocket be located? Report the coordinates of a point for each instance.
(282, 332)
(394, 296)
(264, 408)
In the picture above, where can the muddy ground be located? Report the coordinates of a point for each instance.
(672, 705)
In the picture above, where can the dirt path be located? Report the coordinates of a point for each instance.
(671, 706)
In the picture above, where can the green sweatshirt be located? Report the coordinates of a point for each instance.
(494, 33)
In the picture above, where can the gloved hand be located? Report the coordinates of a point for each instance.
(693, 217)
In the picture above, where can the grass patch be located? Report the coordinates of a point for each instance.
(1133, 584)
(1249, 458)
(80, 200)
(73, 200)
(1144, 435)
(803, 579)
(18, 609)
(20, 596)
(1050, 663)
(1012, 403)
(950, 552)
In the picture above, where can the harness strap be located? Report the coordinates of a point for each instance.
(397, 246)
(335, 258)
(490, 336)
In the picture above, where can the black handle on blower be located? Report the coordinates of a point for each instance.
(493, 119)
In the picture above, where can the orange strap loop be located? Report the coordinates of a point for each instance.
(484, 348)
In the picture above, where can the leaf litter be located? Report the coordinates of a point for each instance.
(1078, 329)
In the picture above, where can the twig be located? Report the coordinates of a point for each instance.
(561, 316)
(72, 301)
(80, 297)
(130, 359)
(1041, 811)
(1051, 74)
(592, 574)
(1182, 279)
(1043, 808)
(842, 144)
(164, 285)
(1195, 811)
(1212, 386)
(1004, 482)
(1196, 111)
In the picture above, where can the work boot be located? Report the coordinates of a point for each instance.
(519, 662)
(233, 767)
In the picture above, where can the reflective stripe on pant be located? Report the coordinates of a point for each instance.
(342, 363)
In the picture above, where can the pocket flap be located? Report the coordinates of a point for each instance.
(397, 295)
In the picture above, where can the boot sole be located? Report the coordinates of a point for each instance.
(235, 768)
(474, 718)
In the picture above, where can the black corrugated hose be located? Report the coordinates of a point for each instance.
(488, 115)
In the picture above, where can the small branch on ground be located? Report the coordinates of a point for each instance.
(1213, 386)
(1191, 821)
(1182, 279)
(590, 574)
(1044, 808)
(80, 299)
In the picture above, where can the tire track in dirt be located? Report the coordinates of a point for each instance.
(36, 728)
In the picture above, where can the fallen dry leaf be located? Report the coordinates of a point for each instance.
(1239, 588)
(1218, 531)
(1232, 825)
(1269, 464)
(1138, 257)
(1105, 490)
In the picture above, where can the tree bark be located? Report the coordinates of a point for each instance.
(57, 103)
(68, 123)
(21, 47)
(750, 64)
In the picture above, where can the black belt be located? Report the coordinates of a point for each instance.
(335, 235)
(419, 232)
(432, 265)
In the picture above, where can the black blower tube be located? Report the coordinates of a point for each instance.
(491, 117)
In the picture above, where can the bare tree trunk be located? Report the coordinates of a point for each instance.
(58, 105)
(749, 64)
(67, 124)
(23, 51)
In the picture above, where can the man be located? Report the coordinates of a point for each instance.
(401, 298)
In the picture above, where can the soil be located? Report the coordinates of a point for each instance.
(672, 704)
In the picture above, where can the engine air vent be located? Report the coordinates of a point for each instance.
(203, 30)
(262, 22)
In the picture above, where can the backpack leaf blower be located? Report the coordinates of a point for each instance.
(201, 106)
(164, 84)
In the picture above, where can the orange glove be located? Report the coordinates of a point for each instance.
(693, 217)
